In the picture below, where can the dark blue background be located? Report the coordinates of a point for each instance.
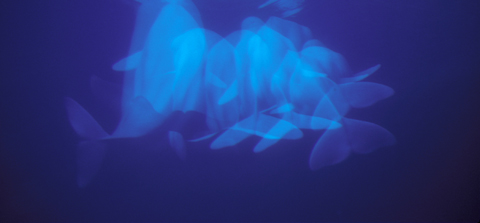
(430, 55)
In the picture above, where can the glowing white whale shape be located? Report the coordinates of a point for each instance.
(159, 62)
(270, 79)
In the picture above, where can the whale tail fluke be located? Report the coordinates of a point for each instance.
(355, 136)
(91, 151)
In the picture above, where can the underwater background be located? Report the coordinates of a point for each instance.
(430, 55)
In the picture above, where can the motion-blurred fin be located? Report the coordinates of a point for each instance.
(311, 122)
(291, 12)
(203, 137)
(213, 79)
(229, 94)
(282, 129)
(267, 3)
(361, 75)
(142, 115)
(82, 122)
(230, 137)
(129, 63)
(364, 94)
(283, 109)
(365, 137)
(331, 148)
(357, 136)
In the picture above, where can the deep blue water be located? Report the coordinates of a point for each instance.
(430, 54)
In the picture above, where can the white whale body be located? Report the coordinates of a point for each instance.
(269, 79)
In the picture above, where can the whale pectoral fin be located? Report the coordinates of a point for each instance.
(203, 137)
(282, 129)
(229, 94)
(90, 153)
(291, 12)
(129, 63)
(230, 137)
(267, 3)
(361, 75)
(311, 122)
(140, 118)
(271, 129)
(264, 144)
(331, 148)
(215, 80)
(364, 94)
(283, 109)
(365, 137)
(357, 136)
(82, 122)
(178, 144)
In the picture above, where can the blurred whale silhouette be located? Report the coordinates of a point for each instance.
(269, 79)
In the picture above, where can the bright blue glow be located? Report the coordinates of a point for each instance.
(270, 79)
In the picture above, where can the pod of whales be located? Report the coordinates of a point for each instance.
(270, 79)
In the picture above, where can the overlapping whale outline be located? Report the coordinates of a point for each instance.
(270, 79)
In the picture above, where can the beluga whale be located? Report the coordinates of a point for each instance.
(270, 79)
